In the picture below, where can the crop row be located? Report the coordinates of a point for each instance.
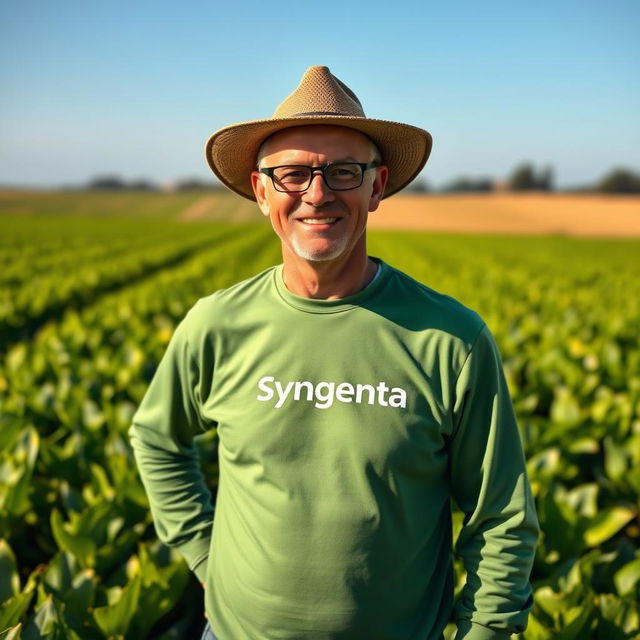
(41, 294)
(56, 249)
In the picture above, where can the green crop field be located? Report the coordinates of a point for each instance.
(87, 306)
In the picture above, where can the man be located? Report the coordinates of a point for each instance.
(351, 404)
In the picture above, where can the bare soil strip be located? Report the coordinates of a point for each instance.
(225, 208)
(563, 214)
(200, 209)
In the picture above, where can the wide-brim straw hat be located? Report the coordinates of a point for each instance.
(320, 98)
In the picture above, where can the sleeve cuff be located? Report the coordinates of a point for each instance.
(196, 554)
(200, 569)
(468, 630)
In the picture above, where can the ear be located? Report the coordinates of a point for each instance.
(260, 191)
(379, 183)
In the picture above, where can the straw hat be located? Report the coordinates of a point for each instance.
(320, 98)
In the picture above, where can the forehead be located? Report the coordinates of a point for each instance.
(318, 139)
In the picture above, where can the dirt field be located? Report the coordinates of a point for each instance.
(576, 215)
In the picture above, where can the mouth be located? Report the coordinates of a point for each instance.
(313, 221)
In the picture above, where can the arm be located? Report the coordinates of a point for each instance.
(490, 486)
(162, 439)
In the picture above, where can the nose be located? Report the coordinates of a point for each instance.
(318, 193)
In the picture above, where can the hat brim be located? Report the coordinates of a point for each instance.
(231, 151)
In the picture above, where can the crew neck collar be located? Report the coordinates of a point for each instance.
(337, 305)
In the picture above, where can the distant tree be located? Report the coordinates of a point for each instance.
(107, 182)
(142, 185)
(524, 178)
(468, 185)
(195, 184)
(418, 186)
(620, 181)
(545, 179)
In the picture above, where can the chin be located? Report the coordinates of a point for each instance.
(313, 254)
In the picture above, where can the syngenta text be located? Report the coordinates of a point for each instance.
(324, 394)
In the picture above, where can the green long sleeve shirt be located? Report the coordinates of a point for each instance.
(345, 428)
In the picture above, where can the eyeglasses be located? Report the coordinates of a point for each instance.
(338, 176)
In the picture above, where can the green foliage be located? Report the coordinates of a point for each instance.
(465, 184)
(524, 177)
(620, 181)
(78, 554)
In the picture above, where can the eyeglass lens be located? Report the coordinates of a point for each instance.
(337, 176)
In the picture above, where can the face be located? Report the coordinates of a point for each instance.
(319, 224)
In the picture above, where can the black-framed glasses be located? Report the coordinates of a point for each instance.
(338, 176)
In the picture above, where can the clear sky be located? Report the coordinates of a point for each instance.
(135, 88)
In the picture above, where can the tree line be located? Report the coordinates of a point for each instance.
(114, 182)
(524, 177)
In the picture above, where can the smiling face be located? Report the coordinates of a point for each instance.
(319, 224)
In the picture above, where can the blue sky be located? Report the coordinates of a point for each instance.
(135, 88)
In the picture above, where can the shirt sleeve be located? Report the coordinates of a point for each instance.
(490, 486)
(161, 435)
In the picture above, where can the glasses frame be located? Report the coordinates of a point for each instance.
(364, 166)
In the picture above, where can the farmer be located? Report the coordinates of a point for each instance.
(351, 403)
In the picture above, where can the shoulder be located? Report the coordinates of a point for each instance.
(419, 307)
(237, 294)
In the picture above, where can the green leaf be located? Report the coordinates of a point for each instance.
(576, 623)
(94, 520)
(583, 499)
(92, 415)
(618, 617)
(102, 486)
(79, 598)
(71, 497)
(551, 602)
(12, 634)
(615, 459)
(627, 578)
(48, 623)
(577, 579)
(565, 409)
(536, 630)
(9, 432)
(583, 445)
(606, 524)
(9, 578)
(23, 459)
(115, 619)
(633, 478)
(112, 554)
(560, 523)
(81, 546)
(16, 357)
(162, 587)
(59, 573)
(545, 464)
(14, 609)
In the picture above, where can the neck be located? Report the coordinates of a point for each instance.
(327, 280)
